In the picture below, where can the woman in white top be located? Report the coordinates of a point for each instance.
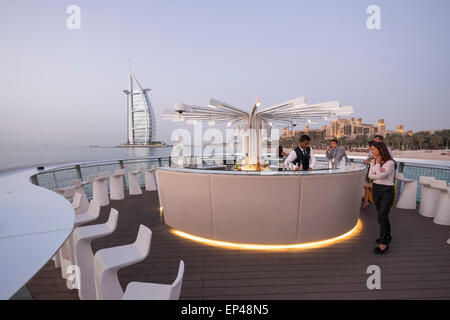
(382, 172)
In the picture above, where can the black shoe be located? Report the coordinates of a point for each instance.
(388, 240)
(377, 250)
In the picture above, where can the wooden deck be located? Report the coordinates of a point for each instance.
(417, 265)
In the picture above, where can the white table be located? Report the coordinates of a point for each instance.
(34, 223)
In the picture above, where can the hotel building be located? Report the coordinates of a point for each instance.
(141, 122)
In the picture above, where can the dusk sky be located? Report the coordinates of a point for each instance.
(64, 87)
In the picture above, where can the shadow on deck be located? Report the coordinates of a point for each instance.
(417, 265)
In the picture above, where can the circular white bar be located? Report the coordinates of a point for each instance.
(268, 208)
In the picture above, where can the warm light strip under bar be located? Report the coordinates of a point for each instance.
(244, 246)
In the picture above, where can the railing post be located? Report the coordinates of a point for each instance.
(34, 180)
(401, 166)
(123, 178)
(170, 161)
(78, 169)
(55, 181)
(160, 163)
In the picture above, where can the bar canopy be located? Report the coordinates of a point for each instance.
(289, 112)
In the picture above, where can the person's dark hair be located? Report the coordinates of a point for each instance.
(304, 138)
(379, 136)
(334, 140)
(371, 142)
(383, 150)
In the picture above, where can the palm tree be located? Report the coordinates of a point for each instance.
(436, 140)
(419, 138)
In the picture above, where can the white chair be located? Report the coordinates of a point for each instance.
(442, 215)
(80, 202)
(90, 215)
(67, 193)
(133, 183)
(150, 179)
(108, 261)
(66, 251)
(155, 291)
(428, 197)
(116, 185)
(101, 188)
(84, 257)
(407, 199)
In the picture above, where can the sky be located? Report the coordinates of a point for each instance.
(64, 87)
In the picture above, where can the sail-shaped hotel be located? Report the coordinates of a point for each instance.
(141, 122)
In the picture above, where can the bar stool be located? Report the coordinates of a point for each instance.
(442, 215)
(407, 199)
(90, 179)
(133, 184)
(66, 252)
(101, 188)
(116, 185)
(428, 197)
(81, 203)
(150, 179)
(108, 261)
(155, 291)
(84, 257)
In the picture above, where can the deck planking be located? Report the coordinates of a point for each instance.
(417, 265)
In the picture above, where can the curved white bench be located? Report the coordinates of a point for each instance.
(34, 223)
(407, 199)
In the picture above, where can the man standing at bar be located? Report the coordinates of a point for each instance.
(303, 155)
(336, 151)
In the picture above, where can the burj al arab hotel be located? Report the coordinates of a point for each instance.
(141, 122)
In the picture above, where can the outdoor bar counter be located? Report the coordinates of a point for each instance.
(265, 208)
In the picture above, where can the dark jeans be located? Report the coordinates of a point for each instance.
(383, 197)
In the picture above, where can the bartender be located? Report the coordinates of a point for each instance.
(302, 156)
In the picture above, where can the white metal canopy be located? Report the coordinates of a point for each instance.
(289, 112)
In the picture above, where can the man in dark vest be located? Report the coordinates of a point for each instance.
(302, 156)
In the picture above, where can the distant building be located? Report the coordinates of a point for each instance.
(345, 128)
(141, 122)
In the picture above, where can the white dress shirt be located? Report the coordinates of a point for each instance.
(292, 156)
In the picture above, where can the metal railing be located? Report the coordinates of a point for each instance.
(63, 176)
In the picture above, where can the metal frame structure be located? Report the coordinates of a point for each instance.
(289, 112)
